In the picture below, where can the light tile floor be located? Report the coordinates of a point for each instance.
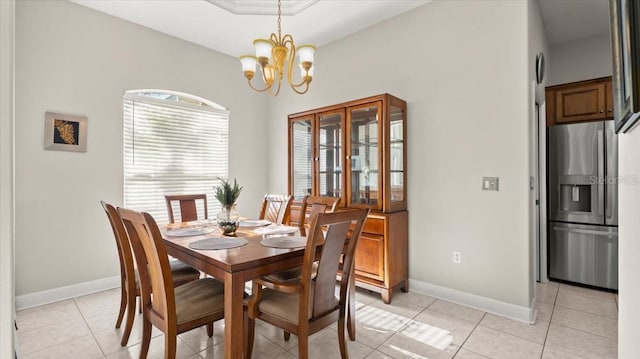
(572, 322)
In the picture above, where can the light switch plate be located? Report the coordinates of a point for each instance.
(490, 183)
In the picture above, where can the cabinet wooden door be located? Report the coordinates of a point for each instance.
(330, 153)
(301, 156)
(364, 144)
(581, 103)
(395, 154)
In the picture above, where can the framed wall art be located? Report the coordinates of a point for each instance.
(625, 46)
(65, 132)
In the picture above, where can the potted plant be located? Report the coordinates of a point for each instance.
(227, 194)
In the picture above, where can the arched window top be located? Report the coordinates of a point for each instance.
(177, 97)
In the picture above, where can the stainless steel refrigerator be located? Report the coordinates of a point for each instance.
(583, 203)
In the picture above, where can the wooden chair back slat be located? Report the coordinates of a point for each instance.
(188, 206)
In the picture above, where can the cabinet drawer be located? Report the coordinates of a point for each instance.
(374, 225)
(369, 257)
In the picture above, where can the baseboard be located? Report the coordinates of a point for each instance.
(57, 294)
(511, 311)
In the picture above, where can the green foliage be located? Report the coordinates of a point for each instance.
(226, 193)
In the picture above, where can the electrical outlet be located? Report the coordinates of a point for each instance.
(457, 257)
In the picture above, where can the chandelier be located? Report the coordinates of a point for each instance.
(275, 57)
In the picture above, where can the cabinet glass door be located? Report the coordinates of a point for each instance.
(301, 157)
(330, 154)
(364, 150)
(396, 149)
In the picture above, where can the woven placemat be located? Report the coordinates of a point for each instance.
(218, 243)
(276, 229)
(284, 242)
(189, 231)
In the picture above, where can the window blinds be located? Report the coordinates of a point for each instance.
(172, 148)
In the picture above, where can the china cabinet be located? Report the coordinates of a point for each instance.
(357, 151)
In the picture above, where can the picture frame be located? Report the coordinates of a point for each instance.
(625, 45)
(64, 132)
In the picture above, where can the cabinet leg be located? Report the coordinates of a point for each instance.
(386, 296)
(405, 286)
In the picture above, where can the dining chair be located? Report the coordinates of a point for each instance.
(172, 310)
(312, 205)
(188, 206)
(129, 284)
(306, 306)
(276, 208)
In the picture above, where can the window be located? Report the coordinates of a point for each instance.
(173, 144)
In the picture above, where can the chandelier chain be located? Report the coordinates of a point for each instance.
(279, 20)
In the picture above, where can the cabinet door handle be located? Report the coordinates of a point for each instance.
(601, 111)
(610, 110)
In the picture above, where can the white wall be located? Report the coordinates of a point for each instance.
(7, 18)
(628, 244)
(462, 68)
(71, 59)
(581, 59)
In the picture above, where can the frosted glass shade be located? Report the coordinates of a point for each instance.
(305, 53)
(263, 48)
(269, 73)
(248, 63)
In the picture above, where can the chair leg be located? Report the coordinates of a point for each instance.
(303, 345)
(287, 335)
(170, 343)
(351, 308)
(210, 329)
(146, 338)
(251, 327)
(341, 339)
(123, 306)
(131, 310)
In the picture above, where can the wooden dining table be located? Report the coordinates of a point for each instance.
(234, 267)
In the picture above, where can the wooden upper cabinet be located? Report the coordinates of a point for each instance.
(583, 101)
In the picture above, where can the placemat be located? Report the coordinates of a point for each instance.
(189, 231)
(218, 243)
(284, 242)
(254, 223)
(276, 229)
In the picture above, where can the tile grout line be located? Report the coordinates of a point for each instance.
(553, 309)
(469, 336)
(84, 319)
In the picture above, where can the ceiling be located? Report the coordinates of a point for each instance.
(566, 20)
(205, 23)
(230, 26)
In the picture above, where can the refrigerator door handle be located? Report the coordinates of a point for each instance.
(601, 179)
(585, 231)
